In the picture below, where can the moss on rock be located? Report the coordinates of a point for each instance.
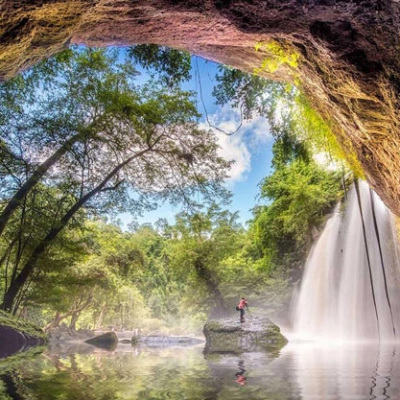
(17, 335)
(229, 335)
(24, 327)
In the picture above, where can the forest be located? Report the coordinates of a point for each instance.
(83, 137)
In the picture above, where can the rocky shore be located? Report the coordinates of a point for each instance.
(221, 336)
(63, 339)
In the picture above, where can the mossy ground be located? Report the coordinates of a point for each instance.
(22, 326)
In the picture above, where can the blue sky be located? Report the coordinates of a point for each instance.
(250, 148)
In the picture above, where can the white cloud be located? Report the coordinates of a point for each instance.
(238, 146)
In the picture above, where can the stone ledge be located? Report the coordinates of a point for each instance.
(229, 335)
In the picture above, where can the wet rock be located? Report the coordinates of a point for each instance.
(229, 335)
(107, 341)
(127, 335)
(17, 335)
(12, 341)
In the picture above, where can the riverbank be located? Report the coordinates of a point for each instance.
(17, 335)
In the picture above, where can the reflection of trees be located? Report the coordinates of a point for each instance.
(101, 376)
(12, 387)
(72, 368)
(153, 374)
(186, 374)
(180, 378)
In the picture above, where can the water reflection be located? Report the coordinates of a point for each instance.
(343, 372)
(240, 375)
(301, 372)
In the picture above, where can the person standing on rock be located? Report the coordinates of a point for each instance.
(240, 307)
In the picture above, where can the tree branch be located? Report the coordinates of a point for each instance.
(18, 283)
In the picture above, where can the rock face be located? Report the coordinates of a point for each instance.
(229, 335)
(347, 54)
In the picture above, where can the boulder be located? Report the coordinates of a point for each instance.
(107, 341)
(229, 335)
(12, 341)
(17, 335)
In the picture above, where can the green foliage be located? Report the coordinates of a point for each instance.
(299, 192)
(173, 66)
(319, 133)
(98, 141)
(251, 93)
(289, 113)
(81, 137)
(300, 195)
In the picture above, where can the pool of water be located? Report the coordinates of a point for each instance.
(299, 371)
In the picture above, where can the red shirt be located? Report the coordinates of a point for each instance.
(242, 304)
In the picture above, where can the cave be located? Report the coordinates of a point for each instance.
(346, 54)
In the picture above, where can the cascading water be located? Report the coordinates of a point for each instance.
(350, 288)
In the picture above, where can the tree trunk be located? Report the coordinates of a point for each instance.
(22, 277)
(55, 322)
(34, 179)
(74, 319)
(100, 318)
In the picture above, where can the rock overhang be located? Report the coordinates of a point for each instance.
(348, 54)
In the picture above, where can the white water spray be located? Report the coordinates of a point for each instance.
(351, 284)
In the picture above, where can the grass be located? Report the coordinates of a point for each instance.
(22, 326)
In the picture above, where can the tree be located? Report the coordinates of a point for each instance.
(300, 195)
(200, 242)
(292, 119)
(94, 278)
(106, 143)
(252, 94)
(172, 66)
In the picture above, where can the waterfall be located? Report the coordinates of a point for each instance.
(350, 289)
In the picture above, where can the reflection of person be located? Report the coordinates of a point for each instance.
(242, 304)
(240, 378)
